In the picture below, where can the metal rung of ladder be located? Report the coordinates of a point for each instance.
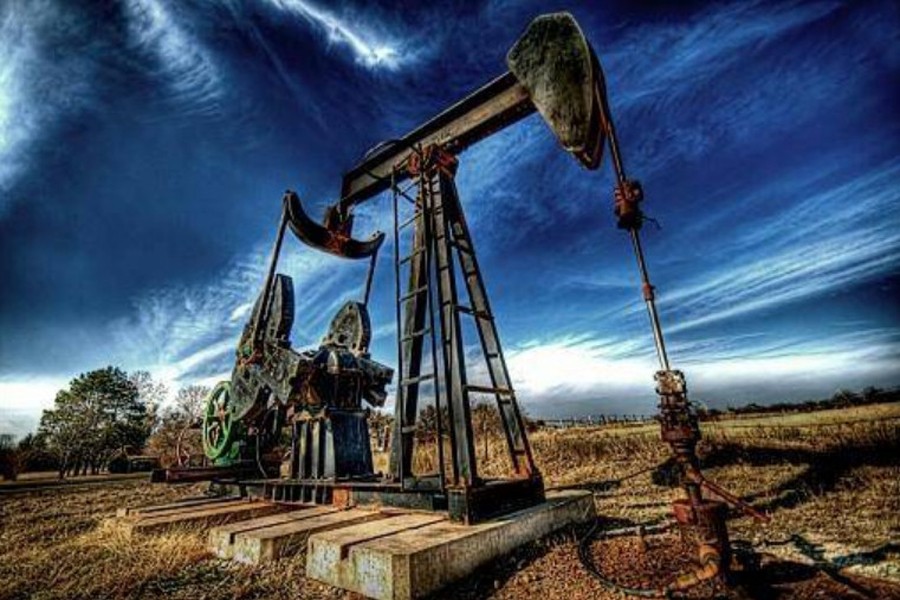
(413, 293)
(408, 429)
(415, 253)
(461, 248)
(404, 191)
(419, 379)
(415, 334)
(483, 389)
(406, 196)
(475, 313)
(410, 220)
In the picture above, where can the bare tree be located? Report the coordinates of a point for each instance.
(190, 399)
(153, 394)
(174, 439)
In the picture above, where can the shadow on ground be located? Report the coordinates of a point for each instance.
(763, 575)
(768, 577)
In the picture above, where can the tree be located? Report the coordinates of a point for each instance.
(9, 458)
(190, 399)
(380, 424)
(100, 414)
(843, 398)
(485, 424)
(34, 455)
(174, 440)
(871, 393)
(427, 423)
(60, 428)
(152, 394)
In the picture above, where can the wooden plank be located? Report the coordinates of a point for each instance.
(187, 502)
(221, 539)
(204, 517)
(265, 545)
(177, 510)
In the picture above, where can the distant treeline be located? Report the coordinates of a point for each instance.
(591, 420)
(840, 399)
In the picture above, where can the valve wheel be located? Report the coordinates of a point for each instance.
(218, 421)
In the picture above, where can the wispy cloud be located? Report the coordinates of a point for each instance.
(35, 91)
(185, 334)
(55, 63)
(819, 244)
(578, 375)
(681, 92)
(367, 48)
(193, 76)
(16, 124)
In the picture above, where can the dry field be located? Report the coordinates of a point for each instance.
(829, 479)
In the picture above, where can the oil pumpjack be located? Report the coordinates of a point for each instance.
(317, 395)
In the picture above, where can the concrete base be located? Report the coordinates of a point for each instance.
(221, 539)
(410, 558)
(270, 543)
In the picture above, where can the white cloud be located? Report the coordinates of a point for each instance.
(542, 371)
(241, 312)
(589, 375)
(30, 393)
(23, 400)
(819, 244)
(367, 50)
(16, 124)
(192, 73)
(35, 93)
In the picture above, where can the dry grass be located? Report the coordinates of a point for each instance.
(830, 480)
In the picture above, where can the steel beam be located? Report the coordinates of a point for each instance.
(492, 107)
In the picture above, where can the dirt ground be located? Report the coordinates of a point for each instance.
(830, 482)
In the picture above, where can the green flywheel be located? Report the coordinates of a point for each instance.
(220, 430)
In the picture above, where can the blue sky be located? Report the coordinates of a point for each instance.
(145, 144)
